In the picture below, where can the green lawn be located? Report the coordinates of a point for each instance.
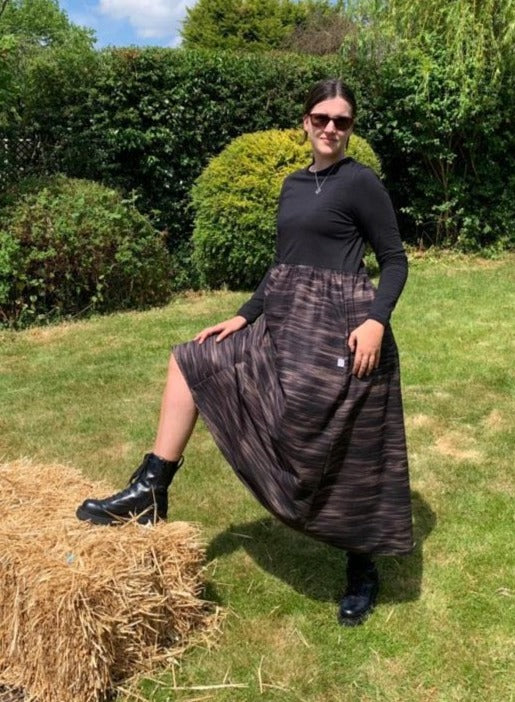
(88, 394)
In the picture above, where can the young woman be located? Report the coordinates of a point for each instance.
(301, 388)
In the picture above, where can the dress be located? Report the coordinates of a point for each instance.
(322, 450)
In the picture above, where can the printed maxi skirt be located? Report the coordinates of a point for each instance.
(322, 450)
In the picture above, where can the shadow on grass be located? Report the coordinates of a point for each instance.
(317, 570)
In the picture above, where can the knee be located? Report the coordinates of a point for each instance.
(173, 367)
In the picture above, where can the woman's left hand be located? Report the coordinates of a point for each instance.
(365, 342)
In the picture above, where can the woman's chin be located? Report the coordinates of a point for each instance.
(328, 149)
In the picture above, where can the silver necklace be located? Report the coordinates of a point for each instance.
(319, 185)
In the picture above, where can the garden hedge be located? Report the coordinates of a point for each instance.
(150, 119)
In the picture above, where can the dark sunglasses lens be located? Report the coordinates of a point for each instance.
(321, 121)
(342, 123)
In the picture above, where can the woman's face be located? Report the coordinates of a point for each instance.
(329, 141)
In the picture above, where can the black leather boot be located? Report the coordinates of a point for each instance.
(361, 592)
(146, 495)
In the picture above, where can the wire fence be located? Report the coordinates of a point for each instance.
(19, 157)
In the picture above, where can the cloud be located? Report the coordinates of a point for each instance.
(151, 19)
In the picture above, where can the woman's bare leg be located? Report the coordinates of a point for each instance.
(178, 415)
(147, 492)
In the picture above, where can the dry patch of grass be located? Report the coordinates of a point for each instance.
(53, 332)
(457, 445)
(421, 421)
(449, 260)
(496, 421)
(276, 637)
(383, 672)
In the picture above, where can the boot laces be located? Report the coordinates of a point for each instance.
(139, 472)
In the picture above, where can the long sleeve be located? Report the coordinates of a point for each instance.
(377, 221)
(254, 306)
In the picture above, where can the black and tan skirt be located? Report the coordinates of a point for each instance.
(322, 450)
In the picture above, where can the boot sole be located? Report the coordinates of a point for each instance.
(360, 618)
(109, 520)
(355, 621)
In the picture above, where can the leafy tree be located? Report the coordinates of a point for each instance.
(39, 23)
(439, 93)
(306, 26)
(29, 30)
(323, 30)
(477, 36)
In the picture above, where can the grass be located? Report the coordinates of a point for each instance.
(88, 394)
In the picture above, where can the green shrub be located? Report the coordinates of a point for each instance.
(70, 247)
(235, 201)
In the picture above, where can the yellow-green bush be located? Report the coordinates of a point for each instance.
(235, 200)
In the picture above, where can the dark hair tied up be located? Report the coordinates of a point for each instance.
(327, 89)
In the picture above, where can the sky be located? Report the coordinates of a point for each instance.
(130, 22)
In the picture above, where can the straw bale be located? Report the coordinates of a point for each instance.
(84, 607)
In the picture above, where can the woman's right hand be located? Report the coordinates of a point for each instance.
(225, 328)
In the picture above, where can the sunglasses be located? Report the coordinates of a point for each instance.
(320, 121)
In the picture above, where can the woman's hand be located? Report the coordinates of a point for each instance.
(365, 342)
(225, 328)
